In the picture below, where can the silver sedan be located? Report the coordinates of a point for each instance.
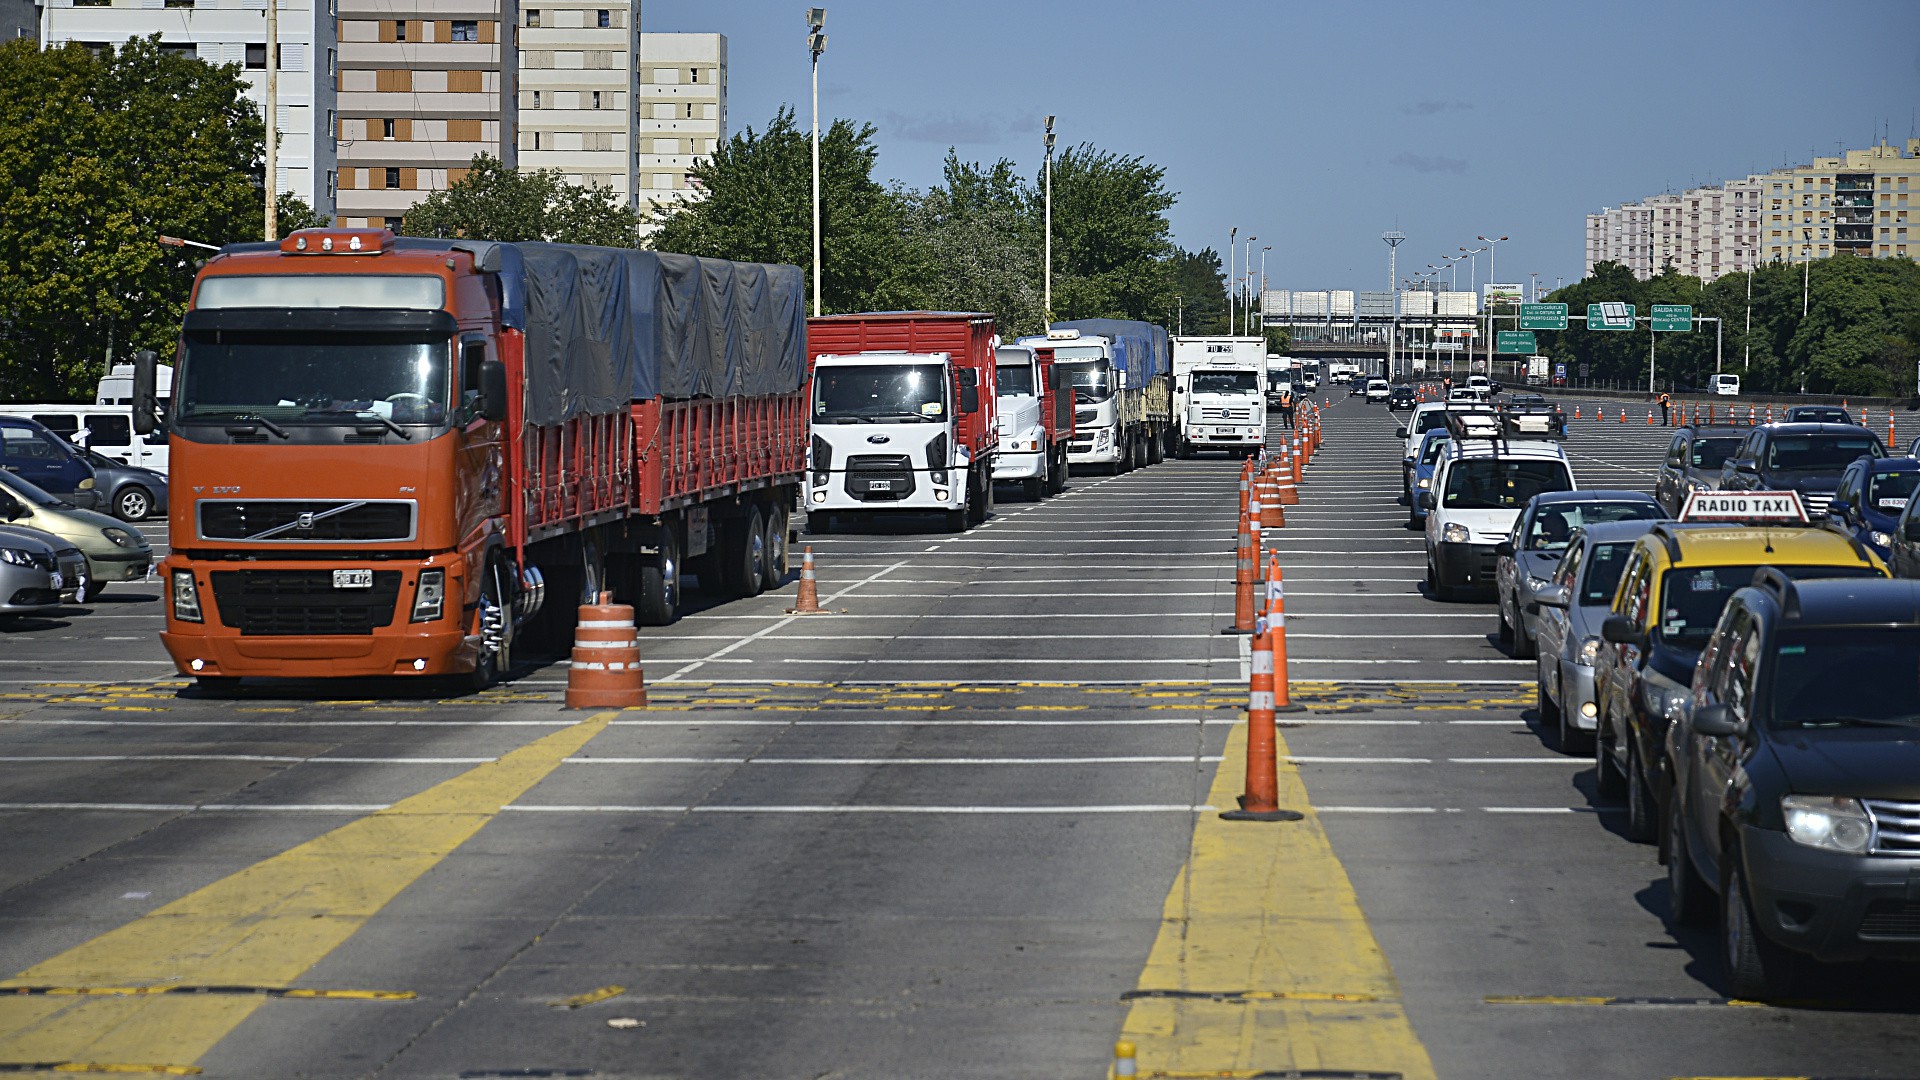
(30, 579)
(1528, 556)
(1570, 610)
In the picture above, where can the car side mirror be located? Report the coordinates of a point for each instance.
(1745, 465)
(1504, 549)
(969, 399)
(1553, 596)
(1400, 432)
(1623, 631)
(1717, 720)
(1911, 531)
(1426, 500)
(11, 507)
(146, 395)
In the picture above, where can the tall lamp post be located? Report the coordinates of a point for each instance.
(1246, 270)
(1263, 293)
(272, 224)
(817, 44)
(1490, 241)
(1047, 300)
(1233, 252)
(1473, 268)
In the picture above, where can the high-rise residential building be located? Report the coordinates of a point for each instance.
(234, 32)
(579, 91)
(19, 19)
(424, 87)
(1857, 203)
(683, 94)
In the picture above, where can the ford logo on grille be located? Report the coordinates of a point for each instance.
(877, 439)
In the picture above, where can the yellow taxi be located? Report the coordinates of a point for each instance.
(1672, 590)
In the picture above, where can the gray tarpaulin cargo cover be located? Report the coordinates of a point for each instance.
(606, 326)
(1140, 347)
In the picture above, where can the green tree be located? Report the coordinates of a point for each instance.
(291, 214)
(981, 244)
(757, 207)
(1112, 246)
(493, 202)
(1201, 284)
(99, 154)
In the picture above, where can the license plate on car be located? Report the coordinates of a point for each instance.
(879, 485)
(353, 579)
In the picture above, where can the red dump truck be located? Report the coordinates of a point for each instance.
(904, 416)
(389, 454)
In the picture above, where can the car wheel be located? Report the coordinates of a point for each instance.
(133, 503)
(1643, 815)
(1607, 780)
(1524, 647)
(1688, 900)
(1757, 969)
(1543, 706)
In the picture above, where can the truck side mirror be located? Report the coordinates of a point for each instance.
(493, 390)
(969, 399)
(146, 395)
(969, 377)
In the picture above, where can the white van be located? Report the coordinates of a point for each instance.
(104, 429)
(1724, 385)
(1480, 487)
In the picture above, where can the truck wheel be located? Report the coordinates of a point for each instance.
(495, 608)
(954, 521)
(659, 599)
(1156, 448)
(777, 548)
(980, 502)
(743, 551)
(1035, 489)
(1057, 476)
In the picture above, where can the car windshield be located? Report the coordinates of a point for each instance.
(1713, 453)
(1431, 421)
(1553, 523)
(1604, 563)
(1811, 453)
(1502, 483)
(313, 378)
(1818, 414)
(28, 492)
(879, 393)
(1879, 667)
(1015, 380)
(1091, 381)
(1225, 382)
(1691, 598)
(1431, 450)
(1890, 491)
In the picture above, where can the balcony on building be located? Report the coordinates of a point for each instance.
(1848, 182)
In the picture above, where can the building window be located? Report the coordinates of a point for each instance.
(533, 17)
(596, 99)
(536, 99)
(689, 112)
(386, 129)
(603, 19)
(466, 30)
(536, 140)
(399, 30)
(256, 56)
(393, 179)
(693, 75)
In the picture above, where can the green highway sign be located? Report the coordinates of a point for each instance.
(1673, 317)
(1514, 341)
(1543, 316)
(1611, 315)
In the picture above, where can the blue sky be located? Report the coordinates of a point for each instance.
(1317, 126)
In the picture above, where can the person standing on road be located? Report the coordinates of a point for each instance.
(1666, 409)
(1286, 407)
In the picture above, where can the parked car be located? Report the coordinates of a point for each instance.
(128, 492)
(1527, 557)
(1426, 459)
(1695, 460)
(107, 429)
(114, 551)
(31, 582)
(1807, 458)
(1676, 583)
(35, 454)
(1568, 615)
(1796, 800)
(1871, 495)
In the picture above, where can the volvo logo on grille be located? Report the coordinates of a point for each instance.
(879, 439)
(305, 523)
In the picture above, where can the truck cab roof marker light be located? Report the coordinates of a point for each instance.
(338, 242)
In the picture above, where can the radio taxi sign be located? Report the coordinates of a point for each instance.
(1745, 507)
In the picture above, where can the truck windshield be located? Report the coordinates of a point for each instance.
(1501, 484)
(1226, 382)
(1015, 380)
(876, 394)
(319, 379)
(1092, 381)
(1878, 666)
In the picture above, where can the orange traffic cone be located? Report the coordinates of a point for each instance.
(1243, 613)
(1262, 799)
(1623, 414)
(1891, 437)
(605, 673)
(808, 600)
(1649, 417)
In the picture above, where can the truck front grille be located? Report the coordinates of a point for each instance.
(1210, 415)
(1897, 826)
(879, 477)
(304, 521)
(281, 602)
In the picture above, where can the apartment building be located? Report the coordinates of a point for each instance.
(424, 86)
(683, 117)
(579, 92)
(234, 32)
(1705, 232)
(1859, 202)
(19, 19)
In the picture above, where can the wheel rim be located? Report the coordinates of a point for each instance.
(133, 505)
(776, 547)
(756, 560)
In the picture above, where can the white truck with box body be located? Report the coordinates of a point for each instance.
(1219, 398)
(1121, 377)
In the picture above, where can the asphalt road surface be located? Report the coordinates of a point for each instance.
(965, 826)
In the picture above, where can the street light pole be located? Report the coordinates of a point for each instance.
(1233, 252)
(1263, 292)
(817, 44)
(1246, 272)
(272, 223)
(1746, 335)
(1047, 302)
(1490, 241)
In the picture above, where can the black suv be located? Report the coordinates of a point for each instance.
(1818, 414)
(1797, 779)
(1400, 397)
(1695, 459)
(1807, 458)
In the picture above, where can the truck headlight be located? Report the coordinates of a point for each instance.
(186, 597)
(1454, 533)
(1588, 652)
(429, 596)
(1828, 822)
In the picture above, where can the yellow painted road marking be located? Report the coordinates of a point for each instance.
(264, 926)
(97, 1067)
(1524, 999)
(590, 997)
(1265, 926)
(149, 991)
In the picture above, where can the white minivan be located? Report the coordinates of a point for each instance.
(104, 429)
(1480, 487)
(1725, 385)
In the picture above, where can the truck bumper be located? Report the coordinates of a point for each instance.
(913, 491)
(1019, 466)
(1226, 438)
(1094, 446)
(249, 639)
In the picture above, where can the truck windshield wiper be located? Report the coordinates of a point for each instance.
(365, 416)
(247, 421)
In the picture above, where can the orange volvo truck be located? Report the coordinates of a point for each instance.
(391, 455)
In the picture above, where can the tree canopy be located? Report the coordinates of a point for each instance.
(493, 202)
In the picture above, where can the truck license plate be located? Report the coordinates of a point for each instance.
(879, 485)
(353, 579)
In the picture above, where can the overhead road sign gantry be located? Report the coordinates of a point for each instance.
(1543, 316)
(1673, 318)
(1610, 315)
(1515, 341)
